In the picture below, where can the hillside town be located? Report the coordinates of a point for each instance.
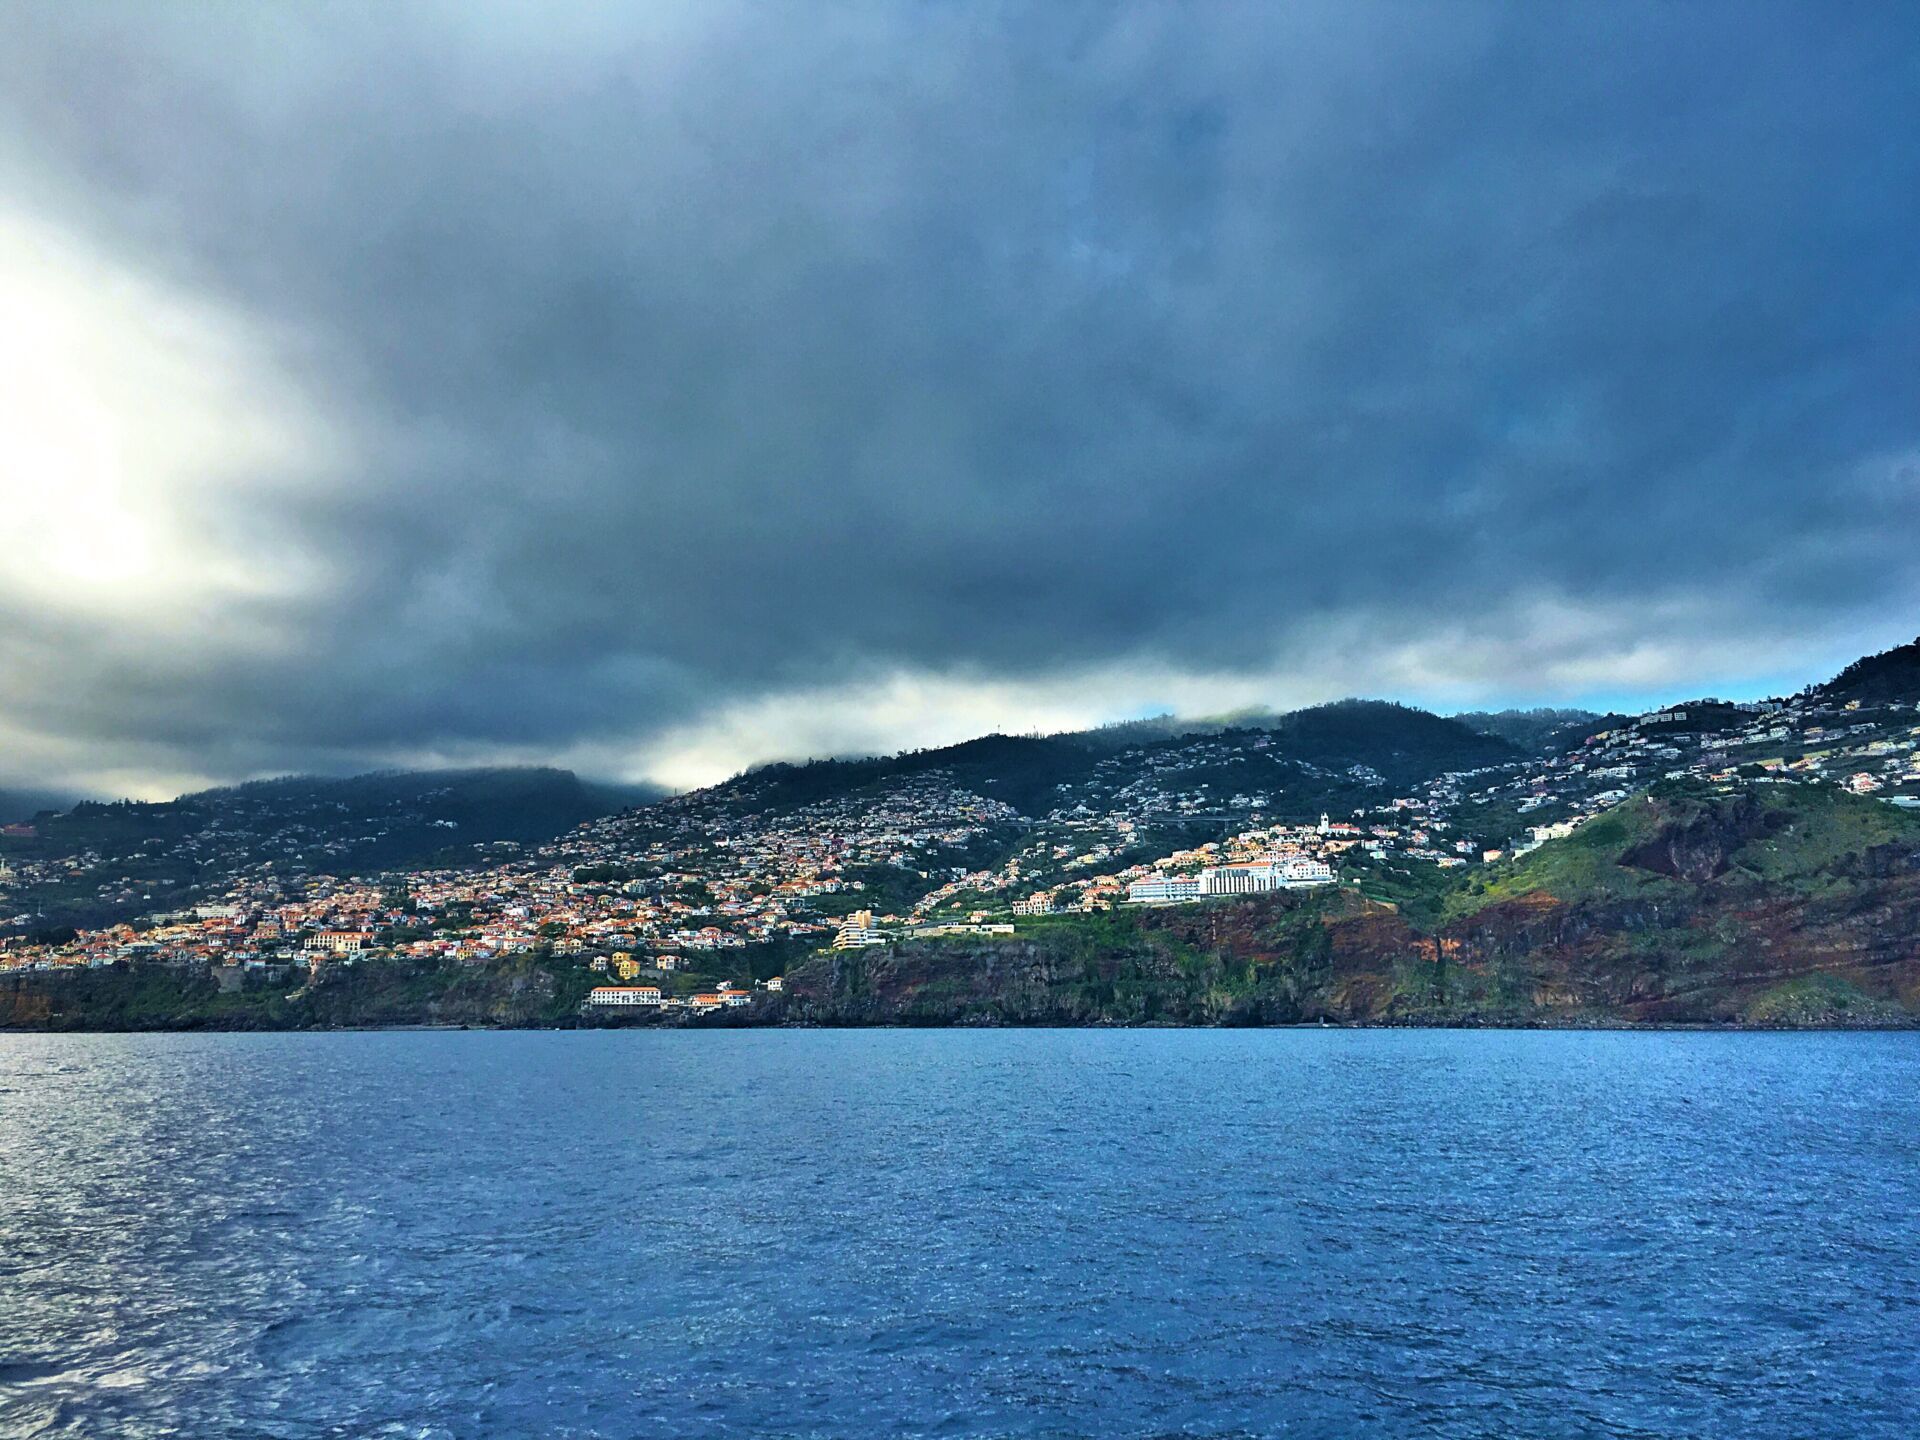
(1805, 739)
(692, 903)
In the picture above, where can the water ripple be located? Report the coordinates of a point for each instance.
(1058, 1234)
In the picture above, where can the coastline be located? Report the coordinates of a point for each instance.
(734, 1023)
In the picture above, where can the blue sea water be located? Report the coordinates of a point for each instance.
(900, 1233)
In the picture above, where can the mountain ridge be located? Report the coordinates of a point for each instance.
(1650, 868)
(136, 857)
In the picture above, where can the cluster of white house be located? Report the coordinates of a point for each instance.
(1289, 874)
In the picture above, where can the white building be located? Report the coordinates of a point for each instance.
(1164, 890)
(1238, 879)
(858, 931)
(1259, 877)
(624, 995)
(1305, 871)
(1264, 875)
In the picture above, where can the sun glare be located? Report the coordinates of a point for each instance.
(124, 413)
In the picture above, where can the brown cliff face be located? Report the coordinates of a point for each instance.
(1235, 963)
(1704, 962)
(1528, 962)
(24, 1005)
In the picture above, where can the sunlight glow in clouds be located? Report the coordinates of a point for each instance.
(125, 412)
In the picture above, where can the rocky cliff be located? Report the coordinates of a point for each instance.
(519, 992)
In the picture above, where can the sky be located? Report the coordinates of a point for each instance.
(658, 389)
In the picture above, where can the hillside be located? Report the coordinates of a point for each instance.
(942, 832)
(990, 817)
(1536, 731)
(1409, 741)
(1307, 751)
(1775, 904)
(1789, 905)
(1619, 868)
(1022, 771)
(99, 861)
(1891, 677)
(1400, 742)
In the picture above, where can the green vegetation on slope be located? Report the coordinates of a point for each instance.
(1585, 865)
(1540, 730)
(1240, 962)
(1794, 839)
(1416, 888)
(1820, 1000)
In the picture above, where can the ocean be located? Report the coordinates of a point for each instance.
(1323, 1233)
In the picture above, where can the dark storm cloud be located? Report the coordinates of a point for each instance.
(702, 354)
